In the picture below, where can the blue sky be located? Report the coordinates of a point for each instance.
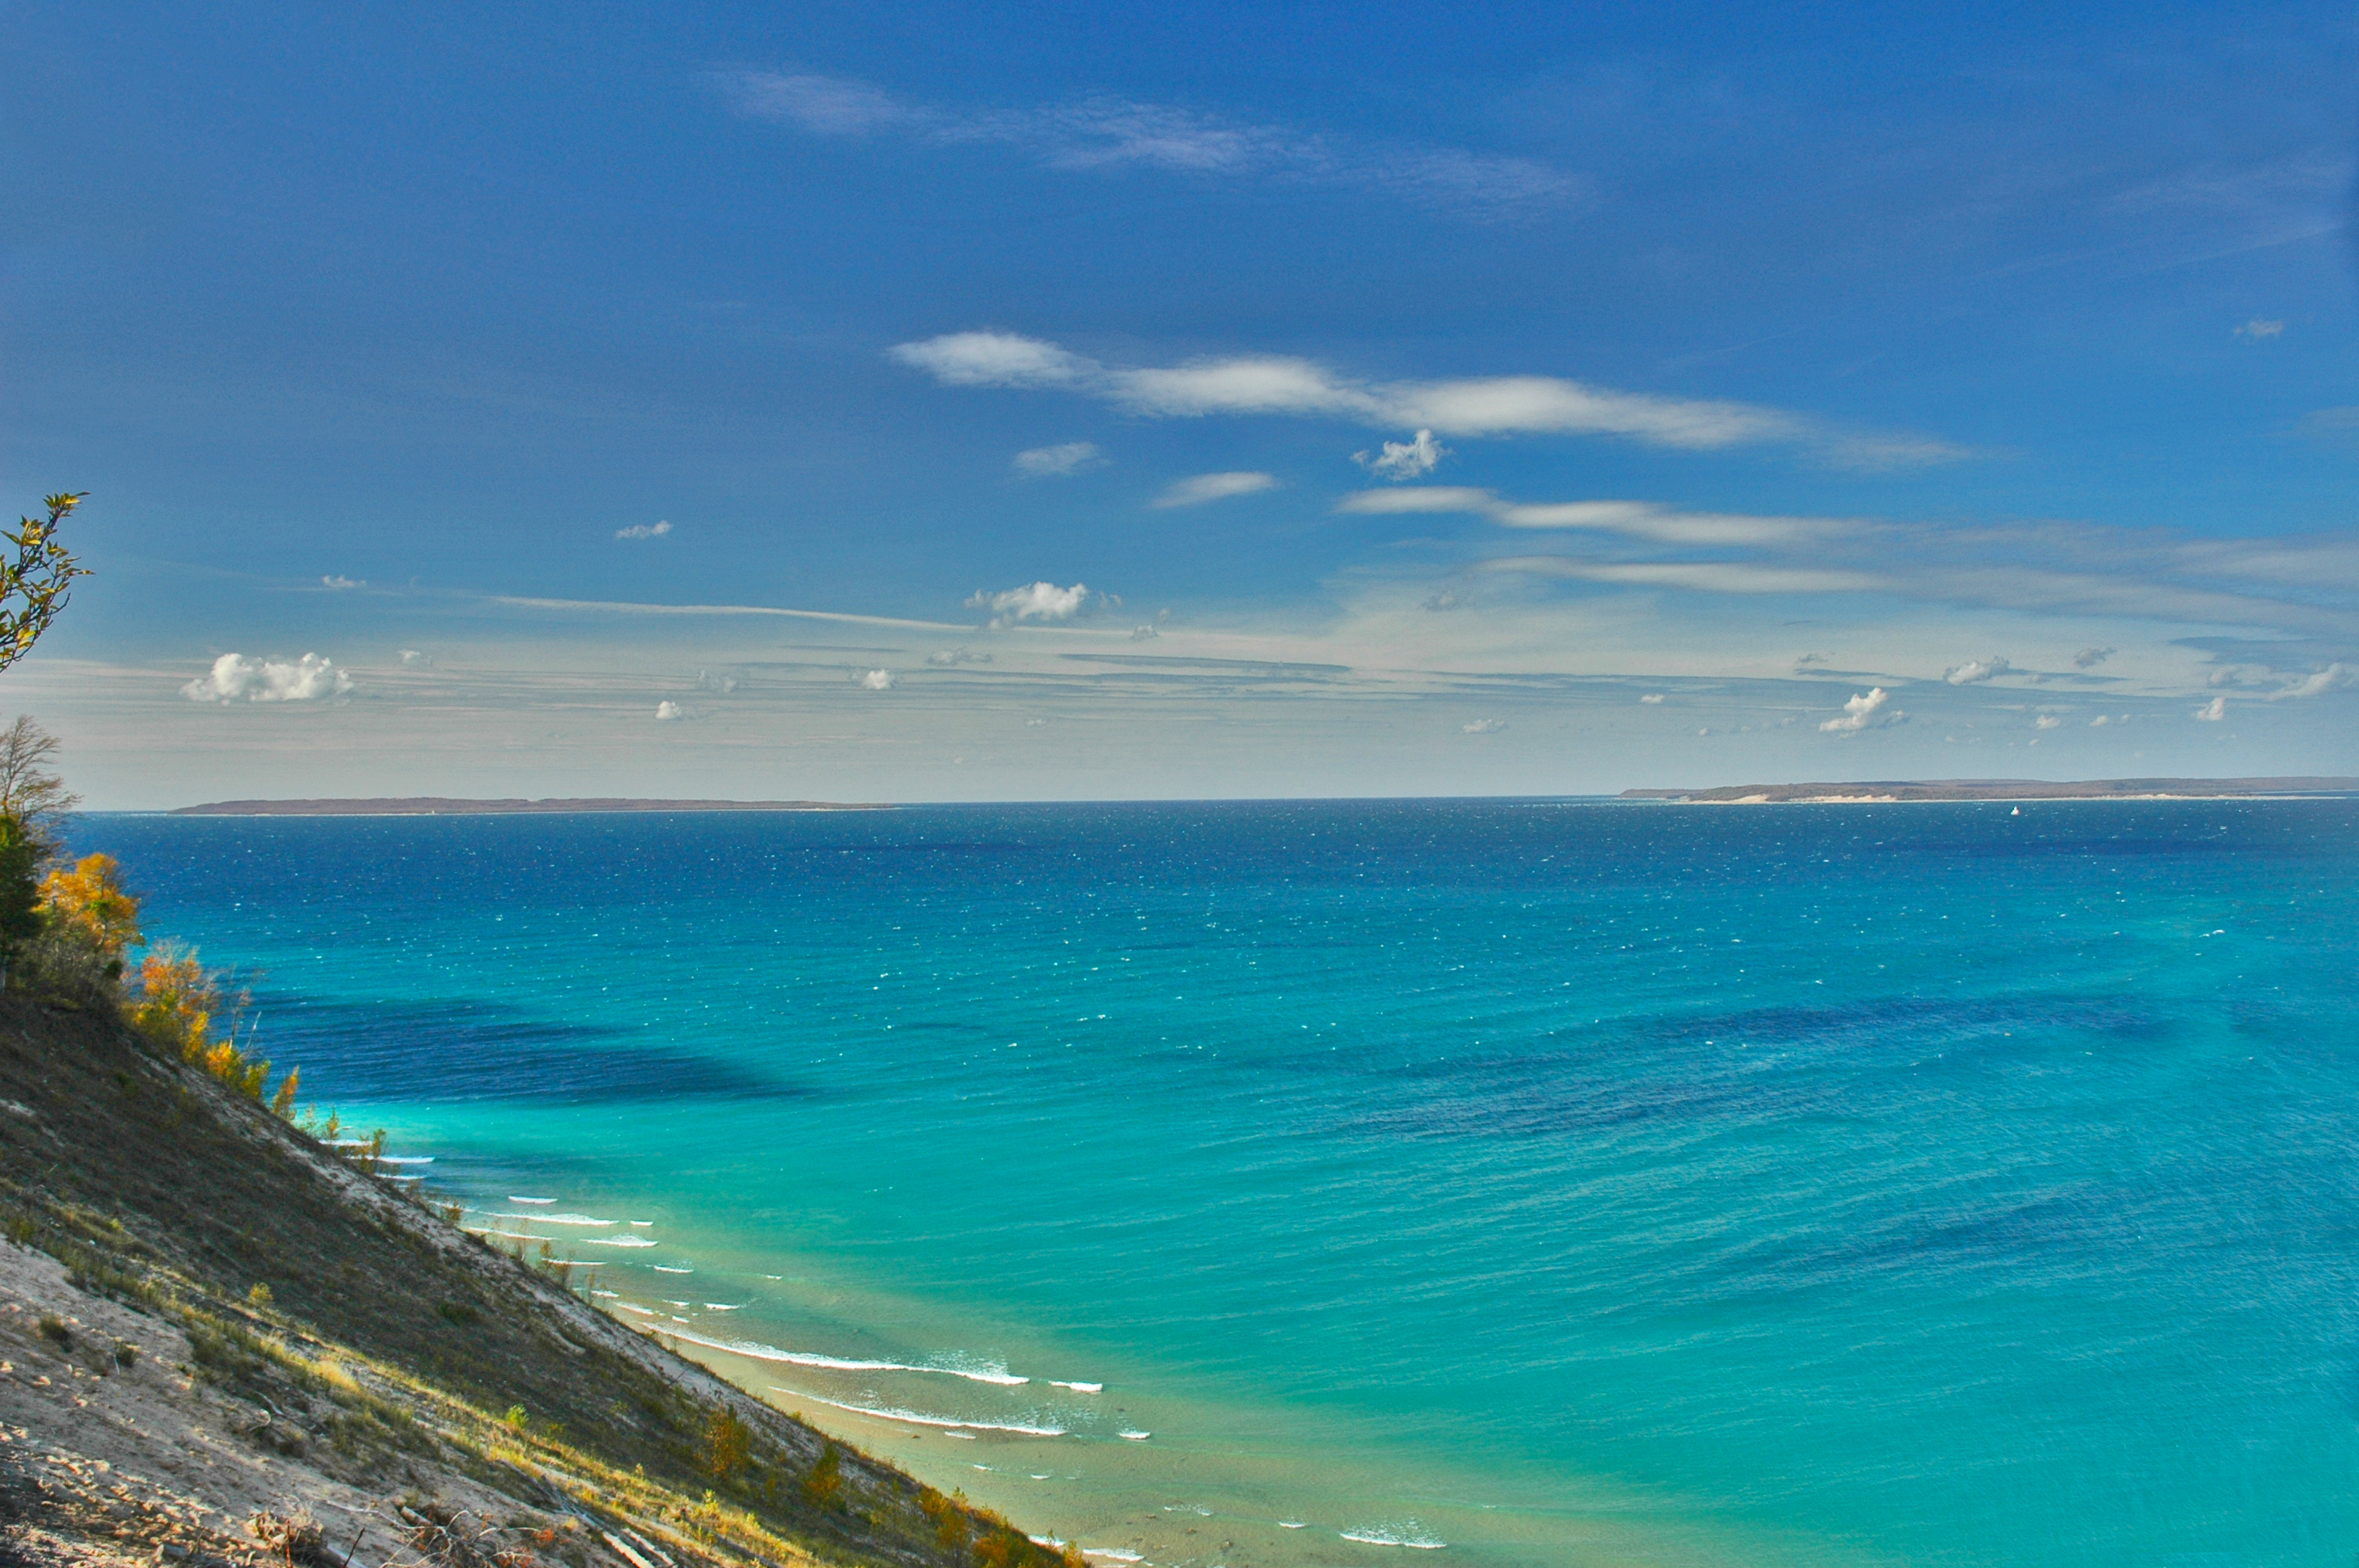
(1841, 393)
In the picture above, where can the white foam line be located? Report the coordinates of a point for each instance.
(643, 1312)
(1133, 1436)
(513, 1198)
(914, 1419)
(1078, 1388)
(666, 1269)
(582, 1219)
(1113, 1553)
(616, 1242)
(758, 1352)
(722, 1306)
(1393, 1540)
(405, 1159)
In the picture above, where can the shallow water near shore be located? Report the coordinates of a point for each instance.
(1537, 1182)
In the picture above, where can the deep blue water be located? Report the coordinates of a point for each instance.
(1567, 1182)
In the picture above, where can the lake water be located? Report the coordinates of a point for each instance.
(1543, 1182)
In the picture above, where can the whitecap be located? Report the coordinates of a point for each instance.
(405, 1159)
(1079, 1388)
(1112, 1553)
(722, 1306)
(1134, 1435)
(1048, 1541)
(602, 1293)
(1386, 1538)
(616, 1242)
(1292, 1524)
(667, 1268)
(643, 1224)
(756, 1351)
(1039, 1478)
(643, 1312)
(914, 1419)
(513, 1198)
(581, 1219)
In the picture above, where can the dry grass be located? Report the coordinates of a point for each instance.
(384, 1341)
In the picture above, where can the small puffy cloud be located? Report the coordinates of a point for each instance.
(643, 531)
(1652, 699)
(1447, 599)
(2090, 658)
(876, 680)
(995, 359)
(1483, 727)
(2214, 711)
(343, 582)
(1032, 602)
(2333, 678)
(236, 678)
(1865, 712)
(950, 659)
(1405, 460)
(670, 713)
(1206, 486)
(2048, 721)
(416, 659)
(1144, 634)
(721, 685)
(1059, 461)
(2255, 329)
(1975, 671)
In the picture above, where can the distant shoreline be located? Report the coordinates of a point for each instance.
(1885, 791)
(437, 805)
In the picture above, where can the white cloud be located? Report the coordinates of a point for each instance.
(1445, 599)
(1482, 406)
(1865, 712)
(236, 678)
(343, 582)
(721, 685)
(1405, 460)
(671, 712)
(2333, 678)
(1652, 697)
(2258, 328)
(1059, 461)
(997, 359)
(1033, 601)
(1144, 634)
(2214, 711)
(643, 531)
(1111, 134)
(1973, 672)
(1630, 519)
(876, 680)
(1483, 726)
(2048, 721)
(1206, 486)
(1699, 576)
(415, 659)
(2090, 658)
(950, 659)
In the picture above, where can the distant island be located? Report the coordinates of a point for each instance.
(1874, 791)
(437, 805)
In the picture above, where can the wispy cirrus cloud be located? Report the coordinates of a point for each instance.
(1273, 384)
(1205, 487)
(1106, 133)
(1059, 462)
(2302, 583)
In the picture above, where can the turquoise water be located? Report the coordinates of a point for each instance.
(1564, 1182)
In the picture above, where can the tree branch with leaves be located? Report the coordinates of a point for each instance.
(37, 582)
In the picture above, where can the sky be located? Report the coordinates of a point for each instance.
(964, 402)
